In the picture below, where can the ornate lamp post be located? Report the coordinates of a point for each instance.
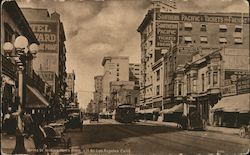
(21, 55)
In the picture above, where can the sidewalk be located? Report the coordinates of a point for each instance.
(8, 143)
(224, 130)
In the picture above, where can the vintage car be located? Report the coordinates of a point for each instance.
(55, 135)
(73, 119)
(94, 117)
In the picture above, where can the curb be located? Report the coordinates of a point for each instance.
(173, 126)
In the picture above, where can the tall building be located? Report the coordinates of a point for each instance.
(116, 68)
(168, 40)
(98, 99)
(70, 90)
(135, 74)
(51, 57)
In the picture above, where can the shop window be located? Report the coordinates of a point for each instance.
(223, 28)
(238, 41)
(203, 28)
(203, 39)
(215, 78)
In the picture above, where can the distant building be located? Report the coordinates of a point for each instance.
(135, 74)
(116, 68)
(70, 90)
(98, 99)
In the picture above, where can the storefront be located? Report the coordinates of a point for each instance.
(232, 111)
(36, 104)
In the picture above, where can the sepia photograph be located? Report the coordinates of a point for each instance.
(125, 77)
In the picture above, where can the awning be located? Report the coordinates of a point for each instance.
(239, 103)
(238, 40)
(187, 38)
(222, 40)
(223, 26)
(188, 25)
(35, 99)
(176, 108)
(203, 39)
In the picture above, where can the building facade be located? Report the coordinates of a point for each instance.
(98, 98)
(135, 74)
(70, 90)
(116, 68)
(51, 57)
(169, 40)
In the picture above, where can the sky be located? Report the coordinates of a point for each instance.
(98, 28)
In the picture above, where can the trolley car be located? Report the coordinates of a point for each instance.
(125, 113)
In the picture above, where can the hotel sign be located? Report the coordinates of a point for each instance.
(166, 33)
(188, 17)
(47, 35)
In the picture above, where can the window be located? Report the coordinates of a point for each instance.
(188, 39)
(188, 83)
(158, 75)
(158, 90)
(117, 69)
(203, 39)
(209, 78)
(202, 82)
(117, 65)
(188, 26)
(117, 79)
(222, 40)
(237, 40)
(223, 28)
(238, 28)
(117, 74)
(179, 89)
(215, 78)
(203, 28)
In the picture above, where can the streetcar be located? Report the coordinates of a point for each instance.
(125, 113)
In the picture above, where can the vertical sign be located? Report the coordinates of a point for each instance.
(46, 34)
(166, 33)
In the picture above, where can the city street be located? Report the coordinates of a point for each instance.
(110, 137)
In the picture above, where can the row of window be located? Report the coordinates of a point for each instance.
(203, 27)
(203, 39)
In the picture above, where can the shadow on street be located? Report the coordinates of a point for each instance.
(97, 133)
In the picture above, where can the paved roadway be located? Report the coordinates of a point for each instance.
(111, 137)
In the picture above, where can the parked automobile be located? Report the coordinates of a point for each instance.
(94, 117)
(55, 135)
(73, 119)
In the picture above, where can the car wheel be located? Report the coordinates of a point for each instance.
(242, 132)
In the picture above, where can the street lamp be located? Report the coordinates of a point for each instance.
(22, 53)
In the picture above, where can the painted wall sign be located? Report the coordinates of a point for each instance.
(241, 80)
(165, 33)
(201, 18)
(46, 34)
